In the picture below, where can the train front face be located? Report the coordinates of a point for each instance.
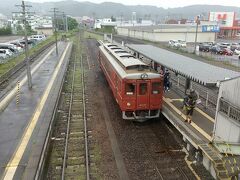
(142, 98)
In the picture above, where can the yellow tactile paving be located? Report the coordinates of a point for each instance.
(197, 109)
(15, 160)
(168, 101)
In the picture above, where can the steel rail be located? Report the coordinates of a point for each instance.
(68, 124)
(151, 157)
(85, 124)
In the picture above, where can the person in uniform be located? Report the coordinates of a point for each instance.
(167, 81)
(189, 104)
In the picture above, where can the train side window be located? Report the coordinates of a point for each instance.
(130, 89)
(156, 87)
(143, 89)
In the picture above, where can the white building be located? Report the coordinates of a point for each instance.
(226, 134)
(121, 23)
(104, 22)
(166, 32)
(3, 21)
(34, 21)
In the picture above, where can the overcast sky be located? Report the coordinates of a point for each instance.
(164, 3)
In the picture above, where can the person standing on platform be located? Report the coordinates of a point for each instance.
(167, 81)
(190, 103)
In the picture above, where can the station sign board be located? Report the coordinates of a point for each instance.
(224, 19)
(210, 28)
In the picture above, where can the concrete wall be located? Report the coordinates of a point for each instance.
(47, 31)
(227, 129)
(166, 35)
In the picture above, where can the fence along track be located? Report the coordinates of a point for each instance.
(69, 157)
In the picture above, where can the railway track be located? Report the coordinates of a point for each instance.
(69, 152)
(164, 160)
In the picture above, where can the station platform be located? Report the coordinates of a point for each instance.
(198, 135)
(24, 125)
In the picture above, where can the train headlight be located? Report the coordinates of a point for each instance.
(144, 76)
(128, 104)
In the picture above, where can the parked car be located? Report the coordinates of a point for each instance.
(174, 43)
(216, 50)
(9, 46)
(3, 54)
(204, 47)
(237, 51)
(31, 42)
(38, 37)
(17, 44)
(7, 51)
(227, 51)
(234, 46)
(225, 45)
(220, 36)
(182, 43)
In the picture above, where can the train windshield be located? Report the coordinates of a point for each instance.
(130, 89)
(156, 87)
(143, 89)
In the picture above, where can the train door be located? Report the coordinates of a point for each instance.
(143, 94)
(156, 94)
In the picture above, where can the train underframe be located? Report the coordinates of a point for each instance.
(140, 115)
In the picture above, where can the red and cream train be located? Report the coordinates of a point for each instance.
(137, 88)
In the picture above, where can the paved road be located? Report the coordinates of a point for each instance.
(4, 39)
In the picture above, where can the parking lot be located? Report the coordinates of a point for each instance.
(4, 39)
(13, 46)
(224, 54)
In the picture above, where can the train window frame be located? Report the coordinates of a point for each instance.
(158, 90)
(140, 88)
(133, 91)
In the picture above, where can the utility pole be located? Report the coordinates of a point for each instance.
(29, 75)
(66, 23)
(195, 43)
(55, 10)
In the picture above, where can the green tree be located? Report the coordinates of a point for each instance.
(6, 30)
(72, 23)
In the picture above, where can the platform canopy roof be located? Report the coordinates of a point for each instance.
(197, 71)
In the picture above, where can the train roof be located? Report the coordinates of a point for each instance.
(124, 58)
(125, 64)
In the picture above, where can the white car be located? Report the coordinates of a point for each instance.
(182, 43)
(228, 45)
(38, 37)
(174, 43)
(237, 51)
(3, 54)
(7, 51)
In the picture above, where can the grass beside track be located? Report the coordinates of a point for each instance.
(92, 35)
